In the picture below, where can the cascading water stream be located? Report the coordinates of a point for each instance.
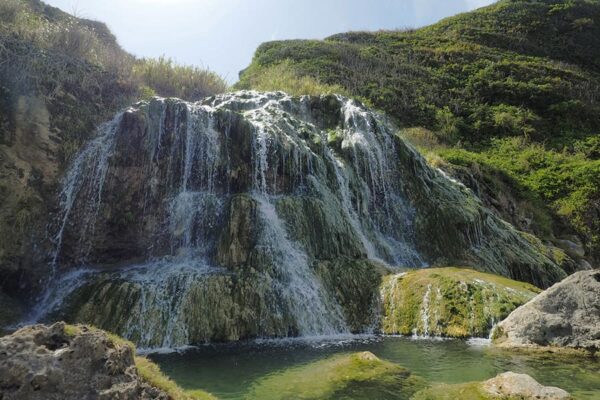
(173, 176)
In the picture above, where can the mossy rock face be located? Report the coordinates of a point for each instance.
(355, 286)
(345, 376)
(450, 302)
(10, 310)
(181, 308)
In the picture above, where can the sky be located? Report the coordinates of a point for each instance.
(222, 35)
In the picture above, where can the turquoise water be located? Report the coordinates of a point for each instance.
(229, 370)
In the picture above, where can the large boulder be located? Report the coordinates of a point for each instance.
(566, 316)
(453, 302)
(65, 362)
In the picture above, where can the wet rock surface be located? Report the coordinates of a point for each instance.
(567, 315)
(66, 362)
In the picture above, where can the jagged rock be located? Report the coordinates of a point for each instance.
(506, 386)
(522, 386)
(565, 315)
(449, 301)
(65, 362)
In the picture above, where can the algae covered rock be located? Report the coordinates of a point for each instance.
(355, 285)
(345, 376)
(449, 302)
(565, 316)
(506, 386)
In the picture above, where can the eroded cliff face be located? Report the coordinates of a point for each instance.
(241, 215)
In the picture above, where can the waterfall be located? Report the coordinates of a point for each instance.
(425, 314)
(84, 182)
(145, 212)
(316, 313)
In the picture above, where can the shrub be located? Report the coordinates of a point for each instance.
(168, 78)
(284, 77)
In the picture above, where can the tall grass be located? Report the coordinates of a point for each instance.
(284, 77)
(167, 78)
(89, 41)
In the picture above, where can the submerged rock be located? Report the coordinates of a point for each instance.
(565, 316)
(346, 376)
(67, 362)
(449, 302)
(506, 386)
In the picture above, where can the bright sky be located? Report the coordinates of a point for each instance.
(223, 34)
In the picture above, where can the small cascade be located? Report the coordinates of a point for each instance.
(84, 183)
(344, 189)
(425, 315)
(316, 313)
(373, 158)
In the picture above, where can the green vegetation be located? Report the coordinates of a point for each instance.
(41, 27)
(449, 302)
(284, 77)
(345, 376)
(509, 91)
(165, 77)
(152, 374)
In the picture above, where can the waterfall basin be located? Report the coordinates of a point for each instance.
(237, 370)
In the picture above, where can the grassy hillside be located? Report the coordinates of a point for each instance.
(60, 76)
(505, 97)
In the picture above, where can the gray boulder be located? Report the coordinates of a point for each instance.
(567, 315)
(511, 385)
(66, 362)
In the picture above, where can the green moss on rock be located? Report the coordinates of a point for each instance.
(345, 376)
(355, 285)
(451, 302)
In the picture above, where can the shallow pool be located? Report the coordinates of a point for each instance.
(230, 370)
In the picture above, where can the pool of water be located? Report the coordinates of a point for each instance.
(230, 370)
